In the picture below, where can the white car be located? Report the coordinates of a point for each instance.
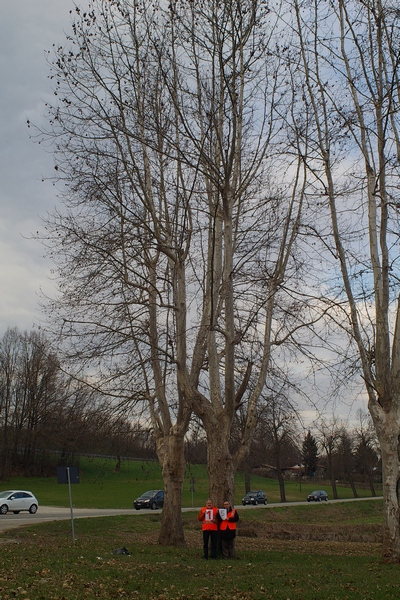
(17, 500)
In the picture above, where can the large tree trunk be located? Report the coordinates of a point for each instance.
(390, 449)
(170, 451)
(221, 467)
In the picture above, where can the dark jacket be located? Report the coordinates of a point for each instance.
(227, 527)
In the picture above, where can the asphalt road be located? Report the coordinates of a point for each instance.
(52, 513)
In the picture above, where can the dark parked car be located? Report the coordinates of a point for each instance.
(152, 499)
(257, 497)
(317, 496)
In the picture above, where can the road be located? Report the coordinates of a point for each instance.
(52, 513)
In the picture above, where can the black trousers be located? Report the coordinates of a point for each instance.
(228, 547)
(207, 536)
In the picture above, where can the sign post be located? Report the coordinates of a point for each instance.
(192, 487)
(69, 475)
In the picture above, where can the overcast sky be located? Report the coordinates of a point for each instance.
(28, 28)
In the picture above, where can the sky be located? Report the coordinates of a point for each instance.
(28, 28)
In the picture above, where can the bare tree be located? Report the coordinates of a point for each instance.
(310, 454)
(346, 458)
(328, 439)
(366, 451)
(9, 362)
(128, 227)
(277, 427)
(178, 233)
(236, 87)
(350, 68)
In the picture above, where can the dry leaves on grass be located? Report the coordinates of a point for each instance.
(301, 539)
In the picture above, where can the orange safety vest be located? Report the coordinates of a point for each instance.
(206, 515)
(225, 524)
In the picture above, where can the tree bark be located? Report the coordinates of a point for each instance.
(281, 481)
(391, 482)
(352, 485)
(221, 466)
(332, 475)
(387, 428)
(279, 472)
(170, 451)
(371, 483)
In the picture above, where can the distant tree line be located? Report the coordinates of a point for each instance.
(47, 417)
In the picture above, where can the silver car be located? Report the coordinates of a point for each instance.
(17, 500)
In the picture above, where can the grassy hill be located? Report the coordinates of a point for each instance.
(101, 486)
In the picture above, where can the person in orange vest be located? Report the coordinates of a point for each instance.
(227, 519)
(208, 517)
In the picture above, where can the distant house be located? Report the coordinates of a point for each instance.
(291, 472)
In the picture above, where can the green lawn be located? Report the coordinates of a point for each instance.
(102, 487)
(328, 550)
(41, 562)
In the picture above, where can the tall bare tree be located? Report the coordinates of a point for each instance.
(367, 449)
(346, 457)
(328, 437)
(234, 87)
(277, 431)
(127, 230)
(350, 91)
(310, 454)
(178, 230)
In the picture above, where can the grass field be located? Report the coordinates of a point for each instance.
(102, 487)
(284, 553)
(323, 551)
